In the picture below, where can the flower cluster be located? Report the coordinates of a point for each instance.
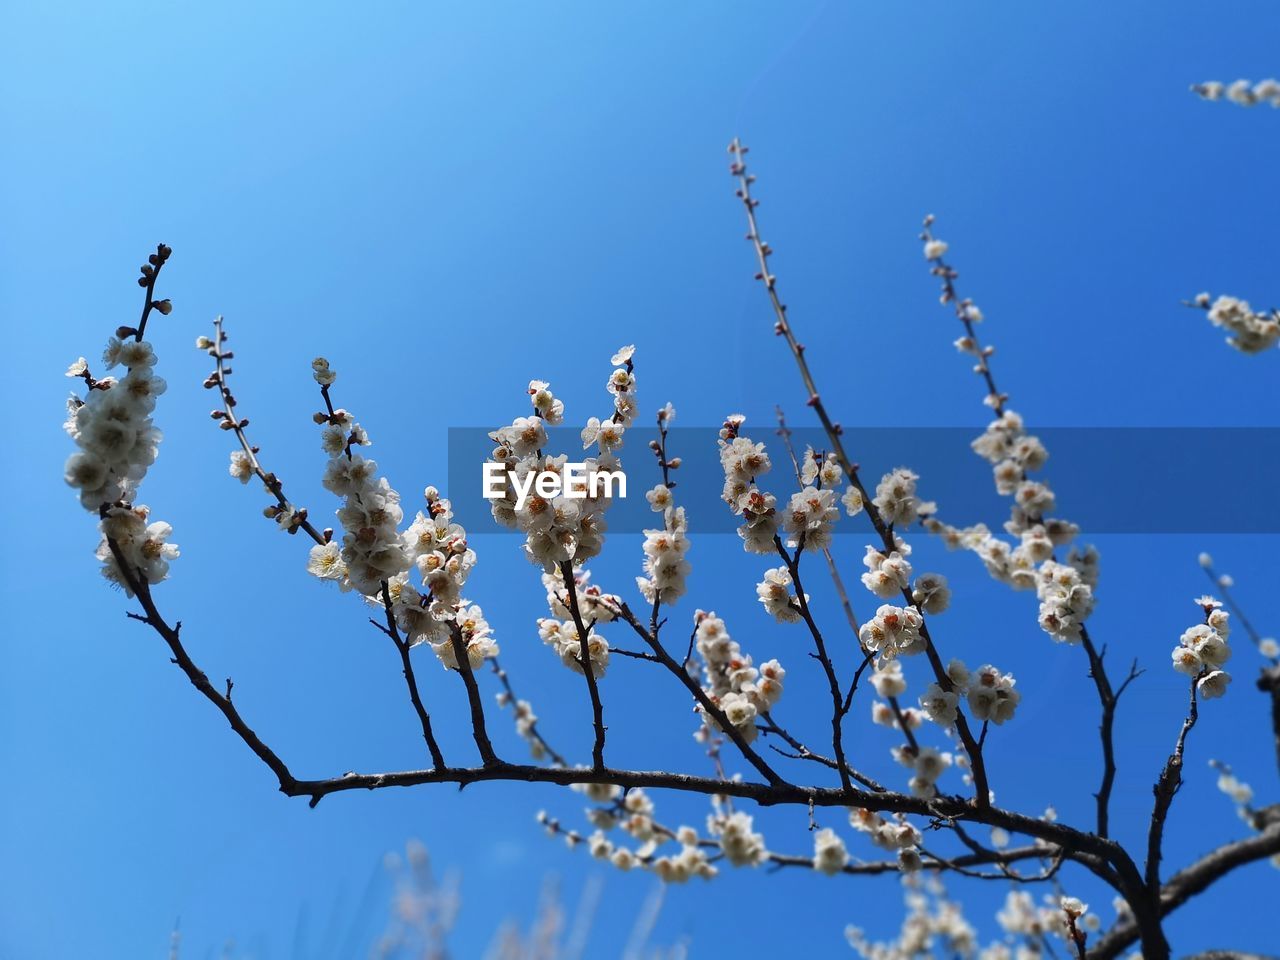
(665, 566)
(830, 855)
(372, 552)
(929, 917)
(896, 498)
(1013, 454)
(1248, 330)
(927, 765)
(375, 558)
(1241, 793)
(888, 575)
(896, 836)
(743, 462)
(822, 471)
(563, 637)
(740, 845)
(690, 862)
(1054, 915)
(1065, 591)
(1242, 92)
(118, 441)
(633, 814)
(990, 693)
(809, 518)
(1268, 647)
(1202, 650)
(730, 678)
(939, 705)
(893, 632)
(890, 683)
(560, 632)
(593, 603)
(437, 548)
(774, 593)
(143, 546)
(560, 529)
(526, 722)
(112, 425)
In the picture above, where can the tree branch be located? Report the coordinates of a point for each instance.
(584, 650)
(230, 420)
(1189, 882)
(782, 326)
(403, 647)
(478, 731)
(1165, 788)
(534, 732)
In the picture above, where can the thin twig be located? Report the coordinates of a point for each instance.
(403, 647)
(233, 422)
(505, 680)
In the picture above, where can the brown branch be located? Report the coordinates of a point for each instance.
(843, 595)
(230, 420)
(838, 708)
(804, 753)
(1269, 682)
(1083, 847)
(150, 274)
(701, 696)
(1199, 876)
(782, 326)
(478, 731)
(1109, 698)
(1189, 882)
(1165, 788)
(938, 864)
(403, 647)
(634, 654)
(171, 636)
(584, 650)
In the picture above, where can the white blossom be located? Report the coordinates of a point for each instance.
(241, 466)
(893, 631)
(829, 852)
(939, 705)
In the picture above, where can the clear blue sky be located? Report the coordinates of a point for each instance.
(449, 199)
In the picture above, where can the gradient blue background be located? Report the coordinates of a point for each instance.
(449, 199)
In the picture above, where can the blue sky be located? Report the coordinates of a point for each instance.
(447, 200)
